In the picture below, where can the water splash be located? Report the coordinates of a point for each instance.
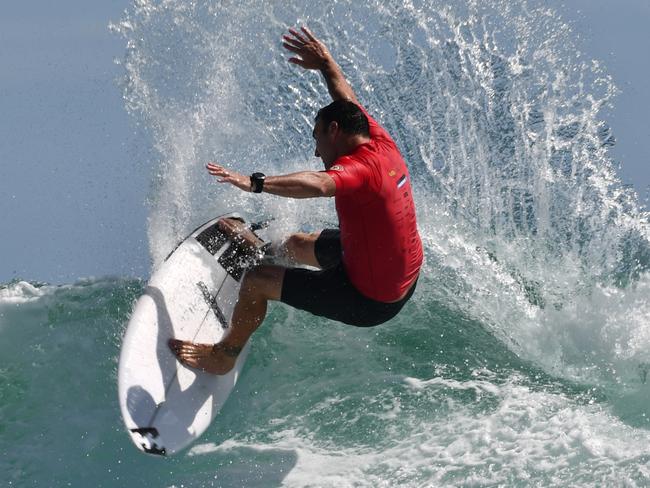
(526, 224)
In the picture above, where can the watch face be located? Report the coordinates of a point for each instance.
(257, 182)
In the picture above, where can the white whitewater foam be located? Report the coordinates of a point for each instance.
(528, 434)
(21, 292)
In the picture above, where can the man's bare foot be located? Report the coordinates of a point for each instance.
(211, 358)
(240, 233)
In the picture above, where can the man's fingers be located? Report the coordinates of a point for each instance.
(226, 176)
(215, 170)
(297, 35)
(291, 48)
(292, 41)
(297, 61)
(309, 34)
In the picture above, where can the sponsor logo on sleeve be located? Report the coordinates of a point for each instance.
(337, 167)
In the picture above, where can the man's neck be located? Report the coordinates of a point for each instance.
(352, 142)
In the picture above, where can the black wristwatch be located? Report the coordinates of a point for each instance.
(257, 182)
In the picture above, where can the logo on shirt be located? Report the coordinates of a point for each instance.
(337, 167)
(392, 172)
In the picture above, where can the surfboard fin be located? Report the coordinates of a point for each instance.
(152, 448)
(146, 430)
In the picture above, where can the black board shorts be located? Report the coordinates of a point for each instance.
(329, 293)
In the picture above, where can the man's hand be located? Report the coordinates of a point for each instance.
(227, 176)
(313, 53)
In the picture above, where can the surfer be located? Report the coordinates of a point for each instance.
(368, 268)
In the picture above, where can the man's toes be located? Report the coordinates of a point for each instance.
(190, 362)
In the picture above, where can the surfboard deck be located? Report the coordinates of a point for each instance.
(165, 405)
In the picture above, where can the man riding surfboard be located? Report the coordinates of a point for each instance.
(368, 268)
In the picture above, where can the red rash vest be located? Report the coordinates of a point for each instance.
(382, 251)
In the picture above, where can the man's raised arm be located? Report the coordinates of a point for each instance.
(313, 54)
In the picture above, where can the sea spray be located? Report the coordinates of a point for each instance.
(495, 110)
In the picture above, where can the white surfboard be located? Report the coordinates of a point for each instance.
(166, 405)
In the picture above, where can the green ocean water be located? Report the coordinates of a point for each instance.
(428, 399)
(523, 357)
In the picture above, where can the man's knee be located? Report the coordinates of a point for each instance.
(264, 282)
(300, 248)
(298, 243)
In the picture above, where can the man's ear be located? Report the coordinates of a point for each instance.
(333, 127)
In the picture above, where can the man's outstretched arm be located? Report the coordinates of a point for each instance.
(305, 184)
(313, 54)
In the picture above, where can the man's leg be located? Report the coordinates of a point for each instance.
(299, 249)
(259, 285)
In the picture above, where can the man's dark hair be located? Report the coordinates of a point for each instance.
(347, 114)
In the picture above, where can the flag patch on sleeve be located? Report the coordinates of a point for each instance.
(401, 181)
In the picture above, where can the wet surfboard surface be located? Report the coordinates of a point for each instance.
(165, 405)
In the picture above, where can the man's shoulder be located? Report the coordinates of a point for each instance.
(375, 154)
(343, 162)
